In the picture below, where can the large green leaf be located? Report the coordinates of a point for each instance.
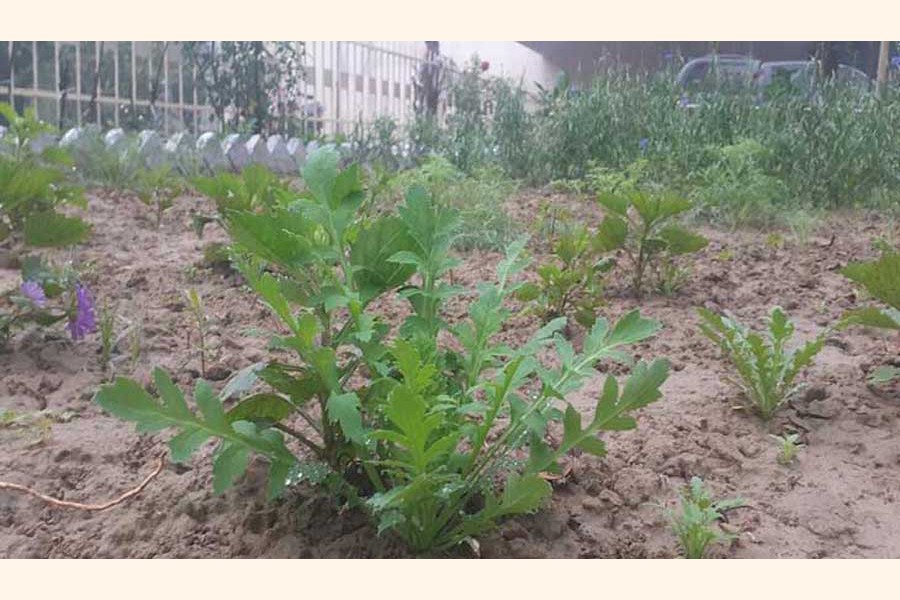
(881, 278)
(279, 236)
(681, 241)
(611, 234)
(369, 254)
(51, 229)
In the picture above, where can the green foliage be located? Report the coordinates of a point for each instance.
(788, 446)
(572, 277)
(255, 188)
(478, 200)
(881, 279)
(33, 187)
(766, 368)
(737, 190)
(158, 188)
(696, 525)
(422, 434)
(642, 225)
(117, 167)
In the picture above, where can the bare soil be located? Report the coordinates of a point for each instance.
(840, 499)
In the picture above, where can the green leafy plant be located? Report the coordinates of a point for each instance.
(573, 276)
(255, 188)
(437, 441)
(766, 368)
(788, 446)
(881, 279)
(158, 188)
(33, 186)
(696, 525)
(641, 224)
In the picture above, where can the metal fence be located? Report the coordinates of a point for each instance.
(112, 83)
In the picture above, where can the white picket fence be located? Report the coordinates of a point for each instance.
(349, 81)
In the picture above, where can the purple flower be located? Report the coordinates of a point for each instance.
(34, 292)
(83, 321)
(644, 144)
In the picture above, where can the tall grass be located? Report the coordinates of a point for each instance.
(832, 149)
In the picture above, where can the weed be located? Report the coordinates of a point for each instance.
(766, 368)
(788, 446)
(696, 525)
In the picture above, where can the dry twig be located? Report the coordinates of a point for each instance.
(161, 462)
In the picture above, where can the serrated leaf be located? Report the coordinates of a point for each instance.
(345, 410)
(881, 278)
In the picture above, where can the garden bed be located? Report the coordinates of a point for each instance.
(838, 500)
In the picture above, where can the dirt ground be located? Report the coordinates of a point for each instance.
(840, 499)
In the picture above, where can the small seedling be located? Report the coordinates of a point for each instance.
(696, 525)
(134, 343)
(196, 305)
(107, 331)
(787, 447)
(765, 367)
(158, 188)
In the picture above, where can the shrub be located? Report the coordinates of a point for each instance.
(400, 421)
(766, 368)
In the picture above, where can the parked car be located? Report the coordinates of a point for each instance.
(798, 77)
(713, 72)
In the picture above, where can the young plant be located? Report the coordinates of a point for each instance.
(788, 446)
(33, 186)
(438, 442)
(641, 224)
(255, 188)
(158, 188)
(881, 279)
(107, 333)
(696, 525)
(195, 303)
(766, 368)
(572, 277)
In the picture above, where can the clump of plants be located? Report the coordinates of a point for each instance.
(438, 442)
(696, 526)
(255, 188)
(642, 225)
(737, 190)
(881, 279)
(33, 187)
(767, 369)
(477, 199)
(573, 277)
